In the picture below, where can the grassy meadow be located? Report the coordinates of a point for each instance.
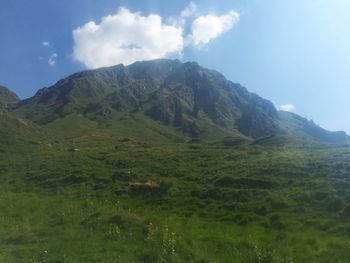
(115, 199)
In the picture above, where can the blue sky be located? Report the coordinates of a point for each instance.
(295, 53)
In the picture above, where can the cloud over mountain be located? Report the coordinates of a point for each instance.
(206, 28)
(126, 36)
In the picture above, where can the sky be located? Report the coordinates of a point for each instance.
(295, 53)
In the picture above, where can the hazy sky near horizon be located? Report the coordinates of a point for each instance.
(296, 53)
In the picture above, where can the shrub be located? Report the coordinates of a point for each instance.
(262, 210)
(319, 195)
(346, 212)
(334, 204)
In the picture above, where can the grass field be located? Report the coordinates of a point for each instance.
(98, 199)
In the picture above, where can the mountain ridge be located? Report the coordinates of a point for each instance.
(185, 96)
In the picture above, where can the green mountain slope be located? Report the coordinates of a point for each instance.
(185, 96)
(7, 97)
(293, 124)
(186, 99)
(17, 133)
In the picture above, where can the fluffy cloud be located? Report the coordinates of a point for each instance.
(287, 107)
(52, 59)
(206, 28)
(127, 37)
(124, 38)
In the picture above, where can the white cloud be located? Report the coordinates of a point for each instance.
(45, 43)
(125, 38)
(189, 11)
(52, 59)
(287, 107)
(206, 28)
(180, 21)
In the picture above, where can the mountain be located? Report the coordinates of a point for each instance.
(296, 125)
(7, 97)
(184, 97)
(163, 161)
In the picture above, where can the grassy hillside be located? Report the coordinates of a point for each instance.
(7, 97)
(86, 200)
(164, 161)
(16, 133)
